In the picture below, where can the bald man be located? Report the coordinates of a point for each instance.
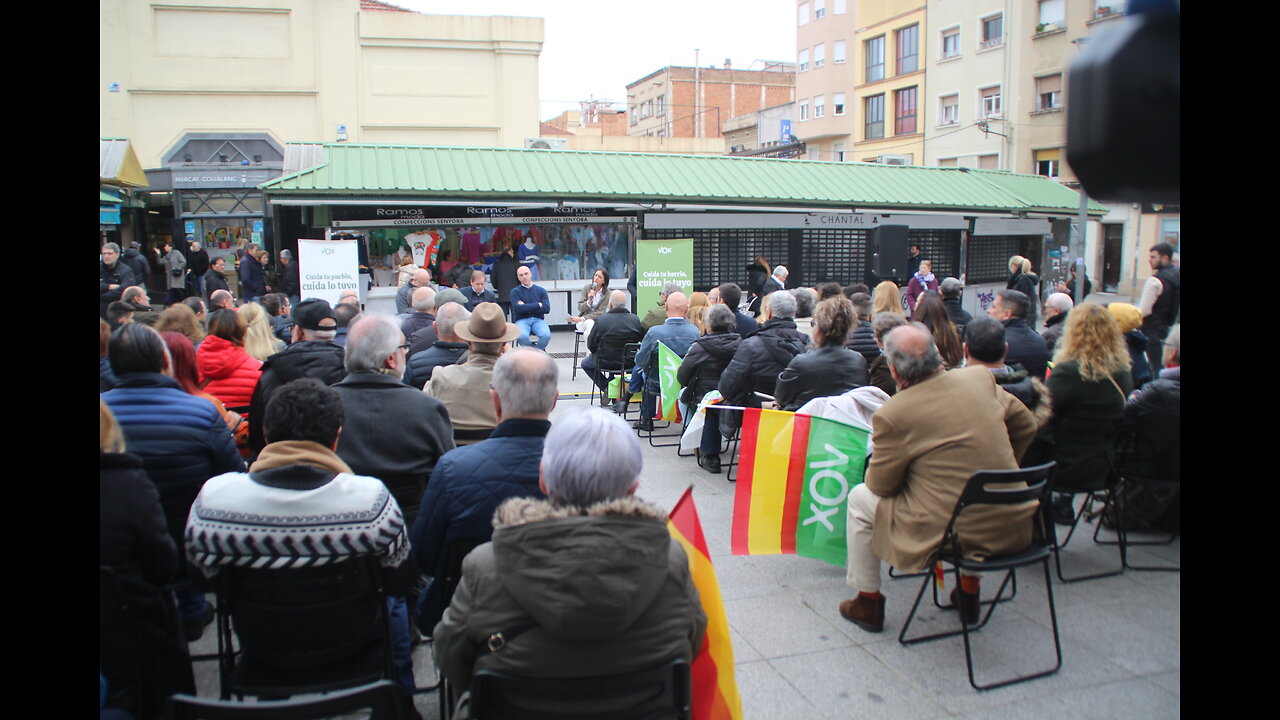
(677, 333)
(607, 341)
(404, 297)
(939, 427)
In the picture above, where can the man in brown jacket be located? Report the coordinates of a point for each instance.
(929, 438)
(464, 389)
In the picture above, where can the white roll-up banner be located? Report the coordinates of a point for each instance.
(327, 267)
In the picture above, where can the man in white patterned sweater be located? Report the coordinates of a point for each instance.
(300, 505)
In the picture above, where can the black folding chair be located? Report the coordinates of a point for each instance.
(577, 344)
(303, 630)
(1000, 488)
(1164, 476)
(652, 371)
(458, 551)
(628, 361)
(1101, 495)
(383, 699)
(658, 693)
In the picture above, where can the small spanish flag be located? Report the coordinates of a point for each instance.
(715, 692)
(793, 484)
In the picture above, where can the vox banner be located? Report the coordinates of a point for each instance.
(659, 262)
(327, 267)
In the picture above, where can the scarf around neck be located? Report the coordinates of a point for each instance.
(298, 452)
(925, 279)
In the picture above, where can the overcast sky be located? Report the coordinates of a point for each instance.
(597, 47)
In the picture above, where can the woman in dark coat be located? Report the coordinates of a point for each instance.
(1089, 385)
(757, 275)
(1024, 281)
(141, 649)
(700, 371)
(829, 368)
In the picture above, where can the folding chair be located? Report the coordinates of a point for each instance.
(1164, 475)
(656, 693)
(644, 393)
(382, 698)
(458, 550)
(1001, 488)
(1103, 495)
(628, 360)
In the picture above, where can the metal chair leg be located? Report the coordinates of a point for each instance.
(1058, 547)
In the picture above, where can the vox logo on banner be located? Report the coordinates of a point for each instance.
(659, 262)
(327, 267)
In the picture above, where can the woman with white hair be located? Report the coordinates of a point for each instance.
(1024, 281)
(588, 582)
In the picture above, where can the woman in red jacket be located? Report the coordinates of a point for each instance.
(227, 372)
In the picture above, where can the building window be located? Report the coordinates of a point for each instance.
(1047, 162)
(1052, 12)
(838, 101)
(662, 105)
(819, 54)
(1049, 92)
(819, 106)
(646, 109)
(950, 43)
(874, 113)
(804, 110)
(949, 110)
(992, 32)
(988, 162)
(1103, 8)
(908, 49)
(875, 59)
(990, 101)
(804, 14)
(947, 162)
(819, 8)
(838, 7)
(803, 57)
(837, 52)
(838, 151)
(904, 120)
(635, 114)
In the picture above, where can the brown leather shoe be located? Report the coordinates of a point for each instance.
(865, 612)
(969, 605)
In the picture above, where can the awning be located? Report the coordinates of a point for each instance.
(118, 164)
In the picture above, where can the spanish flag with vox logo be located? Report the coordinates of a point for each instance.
(714, 690)
(793, 484)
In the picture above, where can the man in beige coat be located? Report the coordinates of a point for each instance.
(464, 389)
(929, 438)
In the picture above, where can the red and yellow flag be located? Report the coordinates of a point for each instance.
(715, 692)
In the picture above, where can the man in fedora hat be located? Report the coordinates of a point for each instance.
(464, 389)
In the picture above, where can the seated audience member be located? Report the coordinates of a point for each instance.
(607, 341)
(1089, 386)
(423, 338)
(879, 370)
(828, 368)
(922, 462)
(422, 312)
(312, 353)
(198, 307)
(392, 432)
(592, 571)
(828, 290)
(677, 334)
(804, 311)
(448, 348)
(731, 295)
(345, 313)
(658, 313)
(222, 300)
(350, 297)
(469, 483)
(143, 312)
(1152, 418)
(529, 307)
(698, 304)
(1129, 318)
(282, 514)
(1026, 347)
(984, 345)
(259, 340)
(182, 368)
(700, 372)
(1056, 307)
(181, 319)
(862, 338)
(107, 379)
(227, 371)
(464, 389)
(951, 290)
(933, 314)
(181, 439)
(887, 299)
(278, 307)
(119, 313)
(404, 296)
(760, 359)
(142, 654)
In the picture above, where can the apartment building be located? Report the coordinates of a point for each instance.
(695, 102)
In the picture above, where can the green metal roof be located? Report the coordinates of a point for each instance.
(109, 198)
(479, 174)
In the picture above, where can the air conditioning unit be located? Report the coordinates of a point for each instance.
(545, 143)
(888, 159)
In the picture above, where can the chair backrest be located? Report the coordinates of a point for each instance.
(383, 698)
(657, 693)
(1013, 487)
(295, 618)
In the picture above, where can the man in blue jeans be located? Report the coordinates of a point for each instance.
(529, 306)
(677, 334)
